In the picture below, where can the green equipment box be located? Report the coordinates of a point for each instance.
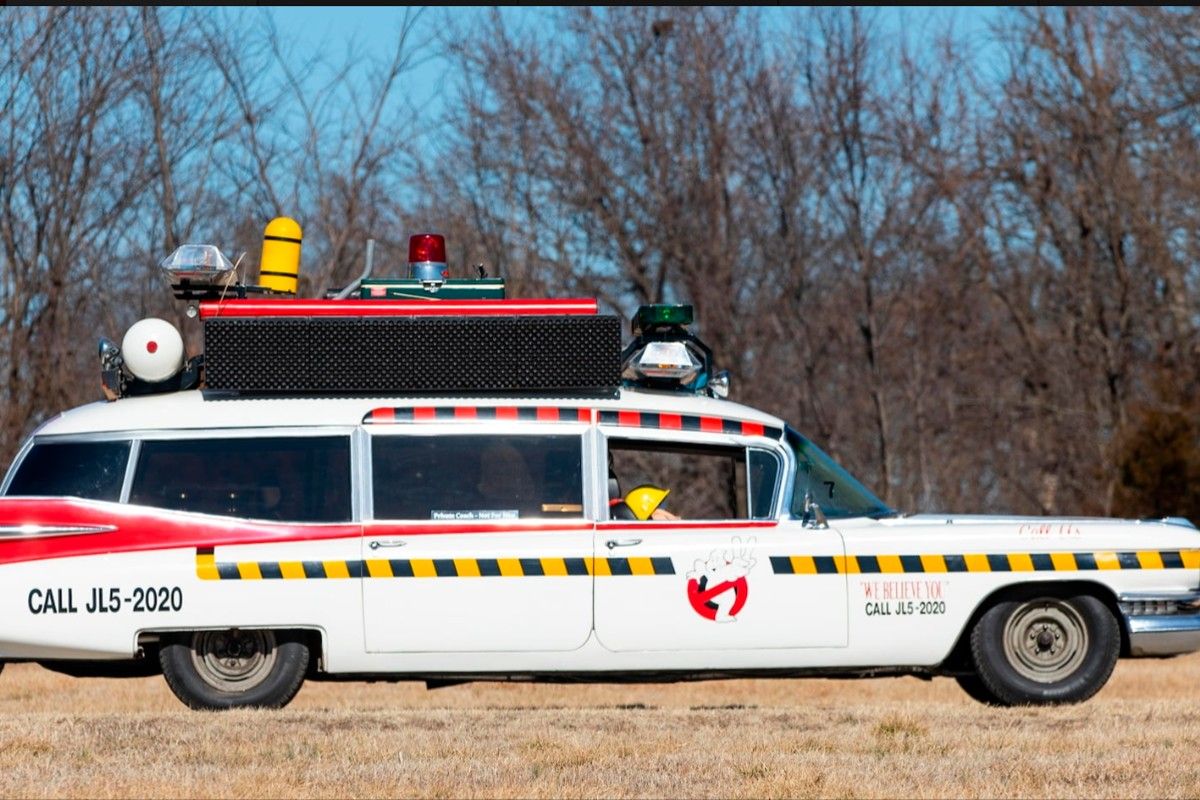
(412, 289)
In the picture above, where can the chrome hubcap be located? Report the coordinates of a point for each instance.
(233, 661)
(1045, 640)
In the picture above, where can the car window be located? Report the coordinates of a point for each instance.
(473, 477)
(703, 481)
(286, 479)
(835, 490)
(91, 470)
(764, 477)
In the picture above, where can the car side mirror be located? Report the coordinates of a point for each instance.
(813, 517)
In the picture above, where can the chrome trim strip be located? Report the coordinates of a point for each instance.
(1162, 597)
(1163, 634)
(1164, 623)
(135, 450)
(41, 531)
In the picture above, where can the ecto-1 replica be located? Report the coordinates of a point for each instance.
(430, 481)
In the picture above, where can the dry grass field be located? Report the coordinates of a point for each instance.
(899, 737)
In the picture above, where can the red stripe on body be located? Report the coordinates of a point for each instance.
(685, 526)
(547, 414)
(712, 424)
(424, 414)
(383, 415)
(385, 528)
(632, 419)
(140, 528)
(506, 412)
(752, 429)
(465, 412)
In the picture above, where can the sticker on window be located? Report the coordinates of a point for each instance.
(486, 513)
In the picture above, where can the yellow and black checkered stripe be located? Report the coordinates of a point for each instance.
(986, 562)
(208, 568)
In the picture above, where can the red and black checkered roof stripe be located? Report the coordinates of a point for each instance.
(653, 420)
(660, 420)
(499, 413)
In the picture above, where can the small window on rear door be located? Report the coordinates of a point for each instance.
(91, 470)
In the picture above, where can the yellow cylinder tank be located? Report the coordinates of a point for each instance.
(280, 262)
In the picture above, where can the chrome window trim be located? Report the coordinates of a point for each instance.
(361, 499)
(18, 459)
(595, 474)
(135, 450)
(773, 512)
(262, 432)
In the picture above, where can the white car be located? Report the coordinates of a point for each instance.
(241, 542)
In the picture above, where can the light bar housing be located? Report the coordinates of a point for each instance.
(663, 354)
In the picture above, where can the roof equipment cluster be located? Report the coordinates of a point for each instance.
(423, 334)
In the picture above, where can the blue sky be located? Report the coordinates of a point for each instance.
(371, 31)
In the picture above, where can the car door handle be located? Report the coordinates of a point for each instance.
(378, 543)
(611, 543)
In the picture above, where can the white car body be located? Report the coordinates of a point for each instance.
(860, 596)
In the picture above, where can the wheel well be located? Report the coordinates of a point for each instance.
(149, 643)
(959, 662)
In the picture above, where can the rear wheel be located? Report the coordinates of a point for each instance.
(1038, 650)
(235, 668)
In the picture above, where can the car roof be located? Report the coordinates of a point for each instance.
(194, 410)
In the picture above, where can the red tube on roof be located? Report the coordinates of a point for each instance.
(286, 307)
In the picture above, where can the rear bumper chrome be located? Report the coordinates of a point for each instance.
(1162, 624)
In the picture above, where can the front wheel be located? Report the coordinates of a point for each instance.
(215, 670)
(1042, 650)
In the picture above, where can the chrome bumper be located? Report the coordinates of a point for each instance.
(1162, 624)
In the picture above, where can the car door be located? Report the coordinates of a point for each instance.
(477, 539)
(725, 575)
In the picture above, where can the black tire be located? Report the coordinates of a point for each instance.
(217, 670)
(975, 689)
(1039, 649)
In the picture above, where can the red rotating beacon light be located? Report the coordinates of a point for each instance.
(427, 258)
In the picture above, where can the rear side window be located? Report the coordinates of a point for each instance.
(285, 479)
(477, 477)
(91, 470)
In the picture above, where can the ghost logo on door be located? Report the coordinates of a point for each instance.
(717, 588)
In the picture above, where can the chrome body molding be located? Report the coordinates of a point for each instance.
(41, 531)
(1161, 624)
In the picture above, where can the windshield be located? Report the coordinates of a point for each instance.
(832, 488)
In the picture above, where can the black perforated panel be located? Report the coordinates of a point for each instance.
(414, 355)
